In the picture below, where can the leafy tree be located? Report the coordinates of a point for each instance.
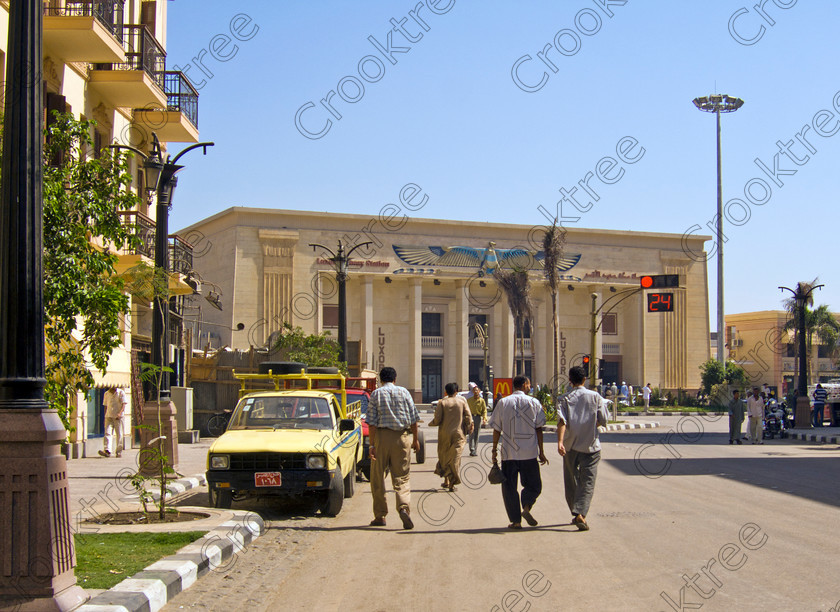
(714, 373)
(311, 349)
(84, 300)
(819, 323)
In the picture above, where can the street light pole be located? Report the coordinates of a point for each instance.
(717, 104)
(341, 261)
(37, 546)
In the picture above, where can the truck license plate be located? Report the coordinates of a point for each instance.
(267, 479)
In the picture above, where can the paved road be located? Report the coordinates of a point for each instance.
(761, 520)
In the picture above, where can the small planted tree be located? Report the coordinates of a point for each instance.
(311, 349)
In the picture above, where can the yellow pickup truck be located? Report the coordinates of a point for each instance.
(289, 440)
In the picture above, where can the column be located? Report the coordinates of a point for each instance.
(415, 349)
(503, 340)
(366, 316)
(462, 338)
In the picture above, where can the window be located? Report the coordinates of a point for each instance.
(526, 329)
(481, 319)
(609, 324)
(329, 315)
(790, 351)
(824, 351)
(430, 324)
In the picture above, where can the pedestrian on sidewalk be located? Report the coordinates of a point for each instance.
(755, 408)
(454, 422)
(391, 418)
(579, 415)
(478, 409)
(518, 421)
(114, 402)
(646, 396)
(736, 417)
(820, 397)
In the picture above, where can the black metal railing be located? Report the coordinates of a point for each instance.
(181, 95)
(142, 52)
(144, 229)
(180, 255)
(108, 13)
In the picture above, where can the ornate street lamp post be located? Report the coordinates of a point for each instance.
(482, 332)
(341, 261)
(717, 104)
(803, 404)
(36, 544)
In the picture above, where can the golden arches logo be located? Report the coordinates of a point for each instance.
(503, 386)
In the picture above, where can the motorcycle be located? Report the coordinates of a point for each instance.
(774, 420)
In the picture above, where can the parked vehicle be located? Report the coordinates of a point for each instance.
(774, 420)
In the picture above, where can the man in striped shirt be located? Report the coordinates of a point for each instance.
(391, 417)
(820, 395)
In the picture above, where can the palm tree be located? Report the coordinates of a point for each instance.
(819, 323)
(517, 289)
(554, 242)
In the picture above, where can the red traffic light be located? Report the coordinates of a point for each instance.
(659, 281)
(586, 360)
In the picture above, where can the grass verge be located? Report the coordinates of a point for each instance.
(105, 559)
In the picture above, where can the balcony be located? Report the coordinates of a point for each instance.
(433, 342)
(84, 31)
(179, 121)
(139, 80)
(180, 252)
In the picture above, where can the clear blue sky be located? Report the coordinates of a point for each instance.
(449, 117)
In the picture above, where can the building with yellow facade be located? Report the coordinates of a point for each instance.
(106, 61)
(415, 294)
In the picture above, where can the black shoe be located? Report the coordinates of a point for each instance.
(738, 441)
(731, 442)
(406, 519)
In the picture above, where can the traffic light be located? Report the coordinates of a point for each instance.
(601, 368)
(490, 372)
(586, 362)
(660, 281)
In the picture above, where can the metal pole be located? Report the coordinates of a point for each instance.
(802, 387)
(37, 549)
(593, 357)
(341, 276)
(160, 307)
(720, 319)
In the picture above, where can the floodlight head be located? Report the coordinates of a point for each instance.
(718, 103)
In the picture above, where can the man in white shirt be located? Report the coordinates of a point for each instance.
(755, 408)
(517, 421)
(646, 396)
(114, 402)
(580, 413)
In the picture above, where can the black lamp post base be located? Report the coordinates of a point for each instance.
(36, 543)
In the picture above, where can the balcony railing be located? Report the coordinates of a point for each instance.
(431, 341)
(180, 255)
(109, 14)
(142, 52)
(144, 229)
(181, 95)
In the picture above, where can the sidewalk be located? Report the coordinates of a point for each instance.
(98, 485)
(828, 435)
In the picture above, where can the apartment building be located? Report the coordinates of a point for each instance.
(106, 61)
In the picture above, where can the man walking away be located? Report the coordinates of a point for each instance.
(580, 413)
(114, 401)
(755, 408)
(820, 396)
(517, 421)
(391, 417)
(736, 417)
(478, 409)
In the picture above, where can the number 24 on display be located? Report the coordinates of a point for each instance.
(660, 302)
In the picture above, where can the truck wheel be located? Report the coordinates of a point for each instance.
(335, 494)
(221, 498)
(350, 481)
(421, 454)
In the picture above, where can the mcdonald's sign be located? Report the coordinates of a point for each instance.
(503, 386)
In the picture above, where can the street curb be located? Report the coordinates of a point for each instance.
(814, 438)
(150, 589)
(672, 413)
(613, 427)
(174, 488)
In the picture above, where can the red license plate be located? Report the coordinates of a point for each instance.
(267, 479)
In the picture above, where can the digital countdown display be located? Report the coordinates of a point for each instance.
(660, 302)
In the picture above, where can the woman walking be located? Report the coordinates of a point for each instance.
(454, 421)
